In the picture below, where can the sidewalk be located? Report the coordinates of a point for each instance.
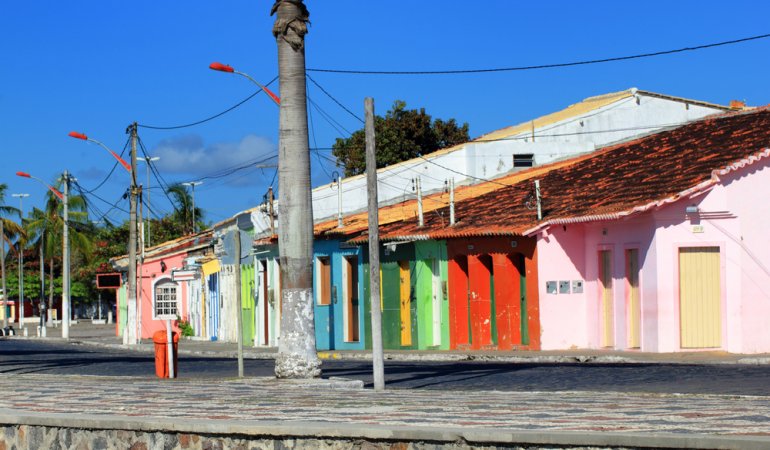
(104, 335)
(232, 412)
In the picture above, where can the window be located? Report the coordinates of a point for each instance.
(165, 299)
(524, 160)
(324, 280)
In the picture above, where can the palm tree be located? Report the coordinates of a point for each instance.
(297, 356)
(184, 211)
(45, 229)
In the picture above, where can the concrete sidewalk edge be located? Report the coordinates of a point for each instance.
(272, 429)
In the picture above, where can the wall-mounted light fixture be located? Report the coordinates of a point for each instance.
(692, 209)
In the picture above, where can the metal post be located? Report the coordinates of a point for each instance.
(451, 201)
(192, 185)
(140, 258)
(374, 249)
(42, 283)
(420, 219)
(131, 326)
(270, 210)
(2, 272)
(170, 349)
(339, 202)
(65, 295)
(537, 199)
(238, 299)
(148, 160)
(21, 261)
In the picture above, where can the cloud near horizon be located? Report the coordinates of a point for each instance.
(189, 155)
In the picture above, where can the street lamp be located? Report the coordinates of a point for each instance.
(65, 327)
(130, 336)
(148, 160)
(192, 185)
(225, 68)
(21, 262)
(82, 136)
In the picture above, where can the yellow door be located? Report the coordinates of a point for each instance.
(406, 303)
(634, 303)
(700, 297)
(605, 278)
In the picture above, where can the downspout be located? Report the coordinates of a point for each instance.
(419, 202)
(537, 199)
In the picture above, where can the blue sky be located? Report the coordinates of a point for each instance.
(97, 66)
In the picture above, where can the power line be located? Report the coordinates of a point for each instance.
(541, 66)
(315, 144)
(334, 99)
(112, 170)
(176, 127)
(334, 124)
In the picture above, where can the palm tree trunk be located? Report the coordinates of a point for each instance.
(297, 356)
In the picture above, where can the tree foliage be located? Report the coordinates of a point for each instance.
(401, 135)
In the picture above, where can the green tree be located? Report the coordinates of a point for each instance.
(401, 135)
(184, 211)
(45, 229)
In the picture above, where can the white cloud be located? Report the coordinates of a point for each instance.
(189, 155)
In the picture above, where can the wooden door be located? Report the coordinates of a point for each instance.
(351, 312)
(634, 310)
(700, 297)
(406, 303)
(605, 293)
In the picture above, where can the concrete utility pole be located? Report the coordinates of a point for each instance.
(297, 357)
(65, 294)
(238, 299)
(129, 337)
(21, 260)
(374, 248)
(2, 272)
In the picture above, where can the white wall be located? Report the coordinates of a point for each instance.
(473, 162)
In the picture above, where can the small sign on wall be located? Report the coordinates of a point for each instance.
(697, 229)
(550, 287)
(577, 286)
(563, 287)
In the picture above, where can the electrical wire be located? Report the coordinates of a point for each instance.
(176, 127)
(315, 144)
(112, 170)
(334, 124)
(334, 99)
(541, 66)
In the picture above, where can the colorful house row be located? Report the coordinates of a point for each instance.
(623, 254)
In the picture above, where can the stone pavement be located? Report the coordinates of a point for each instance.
(269, 407)
(335, 409)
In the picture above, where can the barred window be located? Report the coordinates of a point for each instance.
(165, 299)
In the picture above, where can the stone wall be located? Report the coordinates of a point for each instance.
(28, 437)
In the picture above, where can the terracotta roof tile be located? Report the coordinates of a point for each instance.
(617, 180)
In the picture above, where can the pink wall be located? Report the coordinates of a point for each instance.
(151, 273)
(733, 217)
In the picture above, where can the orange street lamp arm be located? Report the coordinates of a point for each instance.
(76, 135)
(51, 188)
(228, 69)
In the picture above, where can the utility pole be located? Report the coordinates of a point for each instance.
(42, 308)
(65, 294)
(238, 299)
(2, 272)
(297, 357)
(374, 247)
(129, 337)
(21, 261)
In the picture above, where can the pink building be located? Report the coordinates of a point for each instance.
(659, 244)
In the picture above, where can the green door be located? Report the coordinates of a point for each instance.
(390, 286)
(247, 303)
